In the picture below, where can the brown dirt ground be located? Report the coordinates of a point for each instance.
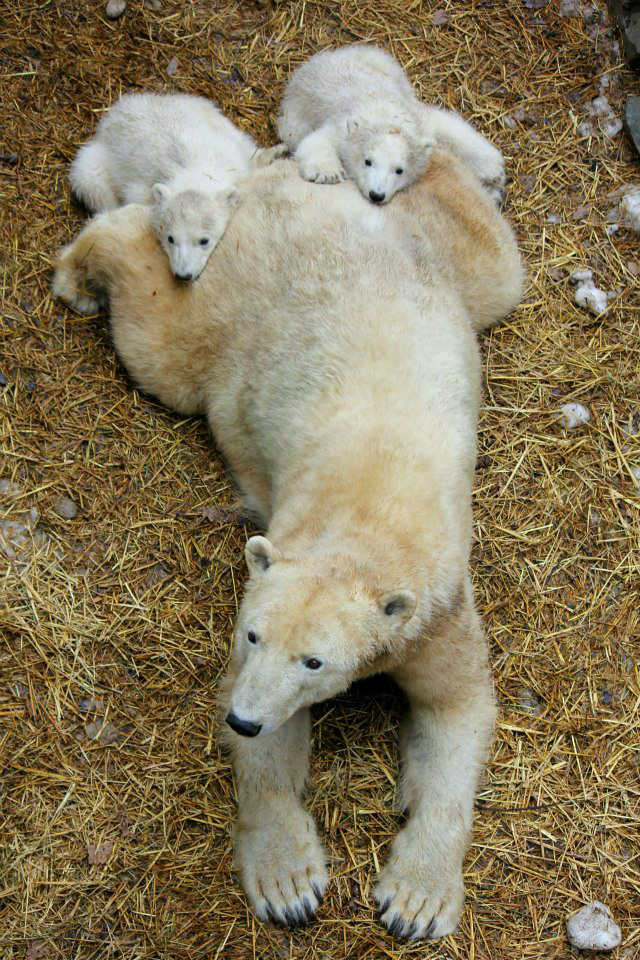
(115, 625)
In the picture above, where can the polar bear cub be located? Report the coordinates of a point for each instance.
(352, 112)
(177, 153)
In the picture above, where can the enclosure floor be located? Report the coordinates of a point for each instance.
(115, 625)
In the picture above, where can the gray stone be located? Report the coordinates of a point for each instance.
(66, 508)
(627, 16)
(631, 120)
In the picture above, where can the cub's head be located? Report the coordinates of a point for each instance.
(189, 224)
(383, 159)
(304, 634)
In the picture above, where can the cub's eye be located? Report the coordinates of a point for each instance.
(367, 163)
(251, 637)
(313, 663)
(204, 241)
(170, 238)
(399, 171)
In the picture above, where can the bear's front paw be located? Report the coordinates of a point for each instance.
(419, 899)
(282, 866)
(322, 172)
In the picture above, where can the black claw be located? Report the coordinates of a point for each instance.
(290, 918)
(309, 909)
(318, 892)
(271, 917)
(385, 906)
(411, 932)
(430, 928)
(397, 926)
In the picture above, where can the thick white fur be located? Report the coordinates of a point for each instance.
(355, 104)
(332, 347)
(177, 153)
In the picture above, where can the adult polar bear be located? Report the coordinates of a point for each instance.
(332, 347)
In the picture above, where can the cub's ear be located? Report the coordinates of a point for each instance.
(259, 553)
(232, 198)
(397, 607)
(160, 192)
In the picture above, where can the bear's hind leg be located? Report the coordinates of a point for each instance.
(486, 161)
(420, 891)
(317, 157)
(277, 850)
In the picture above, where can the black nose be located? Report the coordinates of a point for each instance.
(244, 727)
(376, 197)
(184, 276)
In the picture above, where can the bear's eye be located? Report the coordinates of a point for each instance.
(313, 663)
(251, 637)
(367, 163)
(170, 238)
(399, 171)
(204, 241)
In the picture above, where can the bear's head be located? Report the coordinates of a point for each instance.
(189, 225)
(304, 634)
(384, 158)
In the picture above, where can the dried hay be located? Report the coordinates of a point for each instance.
(116, 803)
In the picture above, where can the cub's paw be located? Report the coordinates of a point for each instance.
(322, 172)
(267, 155)
(496, 188)
(282, 866)
(417, 900)
(69, 286)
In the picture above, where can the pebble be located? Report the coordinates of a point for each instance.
(593, 928)
(3, 380)
(528, 701)
(115, 8)
(587, 294)
(636, 473)
(66, 508)
(574, 415)
(172, 67)
(630, 210)
(612, 127)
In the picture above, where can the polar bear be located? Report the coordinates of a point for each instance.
(332, 348)
(177, 153)
(352, 112)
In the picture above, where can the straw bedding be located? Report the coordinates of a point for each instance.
(115, 623)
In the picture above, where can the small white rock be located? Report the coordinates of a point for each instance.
(630, 210)
(115, 8)
(589, 296)
(600, 107)
(574, 415)
(172, 67)
(636, 474)
(593, 928)
(585, 129)
(581, 275)
(612, 127)
(509, 122)
(611, 229)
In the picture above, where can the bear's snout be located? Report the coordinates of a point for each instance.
(376, 197)
(244, 727)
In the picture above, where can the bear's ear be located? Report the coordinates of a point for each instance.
(259, 553)
(160, 192)
(397, 607)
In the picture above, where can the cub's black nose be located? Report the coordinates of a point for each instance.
(244, 727)
(376, 197)
(184, 276)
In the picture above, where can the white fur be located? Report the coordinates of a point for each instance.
(177, 153)
(352, 112)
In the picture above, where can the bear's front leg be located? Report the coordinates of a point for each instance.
(420, 890)
(318, 158)
(277, 850)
